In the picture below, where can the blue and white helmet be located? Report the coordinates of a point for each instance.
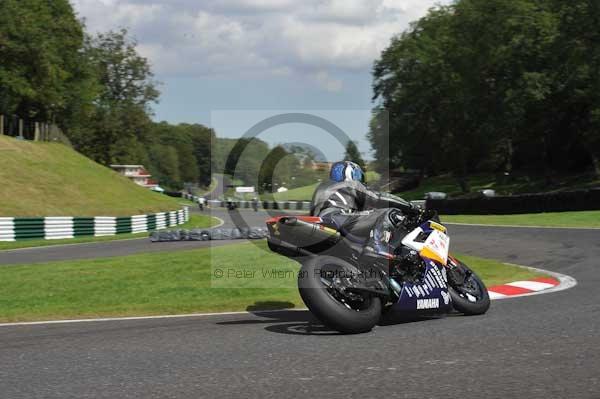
(346, 171)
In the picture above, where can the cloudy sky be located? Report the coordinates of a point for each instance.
(293, 55)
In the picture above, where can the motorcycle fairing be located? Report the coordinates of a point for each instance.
(431, 293)
(436, 244)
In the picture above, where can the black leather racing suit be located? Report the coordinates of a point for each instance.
(356, 211)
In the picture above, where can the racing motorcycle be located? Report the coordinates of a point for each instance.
(348, 285)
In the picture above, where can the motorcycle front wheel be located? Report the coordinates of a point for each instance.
(322, 283)
(469, 294)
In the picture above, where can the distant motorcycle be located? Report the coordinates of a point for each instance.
(348, 288)
(231, 205)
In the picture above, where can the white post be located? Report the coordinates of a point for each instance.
(36, 134)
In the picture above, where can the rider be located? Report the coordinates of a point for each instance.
(345, 203)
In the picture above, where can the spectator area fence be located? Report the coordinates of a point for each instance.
(27, 129)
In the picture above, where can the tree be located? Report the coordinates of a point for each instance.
(242, 158)
(188, 167)
(122, 108)
(352, 154)
(43, 73)
(201, 139)
(411, 79)
(192, 144)
(165, 165)
(491, 86)
(577, 53)
(268, 178)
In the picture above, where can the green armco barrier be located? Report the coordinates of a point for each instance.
(55, 228)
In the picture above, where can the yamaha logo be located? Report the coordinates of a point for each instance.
(433, 303)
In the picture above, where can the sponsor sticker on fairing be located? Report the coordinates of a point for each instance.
(387, 236)
(436, 247)
(432, 303)
(437, 226)
(446, 297)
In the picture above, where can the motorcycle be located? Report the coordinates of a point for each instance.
(348, 285)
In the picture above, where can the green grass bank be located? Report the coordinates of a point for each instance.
(581, 219)
(171, 283)
(49, 179)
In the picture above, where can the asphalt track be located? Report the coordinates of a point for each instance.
(544, 346)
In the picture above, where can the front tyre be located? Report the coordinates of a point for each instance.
(323, 283)
(469, 294)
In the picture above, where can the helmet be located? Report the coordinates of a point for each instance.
(346, 171)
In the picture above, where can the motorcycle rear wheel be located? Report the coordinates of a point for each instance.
(471, 297)
(352, 314)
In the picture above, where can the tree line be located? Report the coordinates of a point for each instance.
(500, 86)
(100, 91)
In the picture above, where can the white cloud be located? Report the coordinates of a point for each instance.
(327, 82)
(311, 39)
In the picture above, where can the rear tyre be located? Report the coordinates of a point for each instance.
(469, 294)
(321, 283)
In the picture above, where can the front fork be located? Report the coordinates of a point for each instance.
(457, 275)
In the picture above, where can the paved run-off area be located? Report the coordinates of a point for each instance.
(540, 346)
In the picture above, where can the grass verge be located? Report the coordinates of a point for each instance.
(170, 283)
(196, 221)
(298, 194)
(517, 185)
(305, 193)
(556, 219)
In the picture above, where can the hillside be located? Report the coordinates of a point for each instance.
(299, 194)
(47, 179)
(305, 193)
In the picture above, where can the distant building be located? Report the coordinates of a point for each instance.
(137, 174)
(321, 166)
